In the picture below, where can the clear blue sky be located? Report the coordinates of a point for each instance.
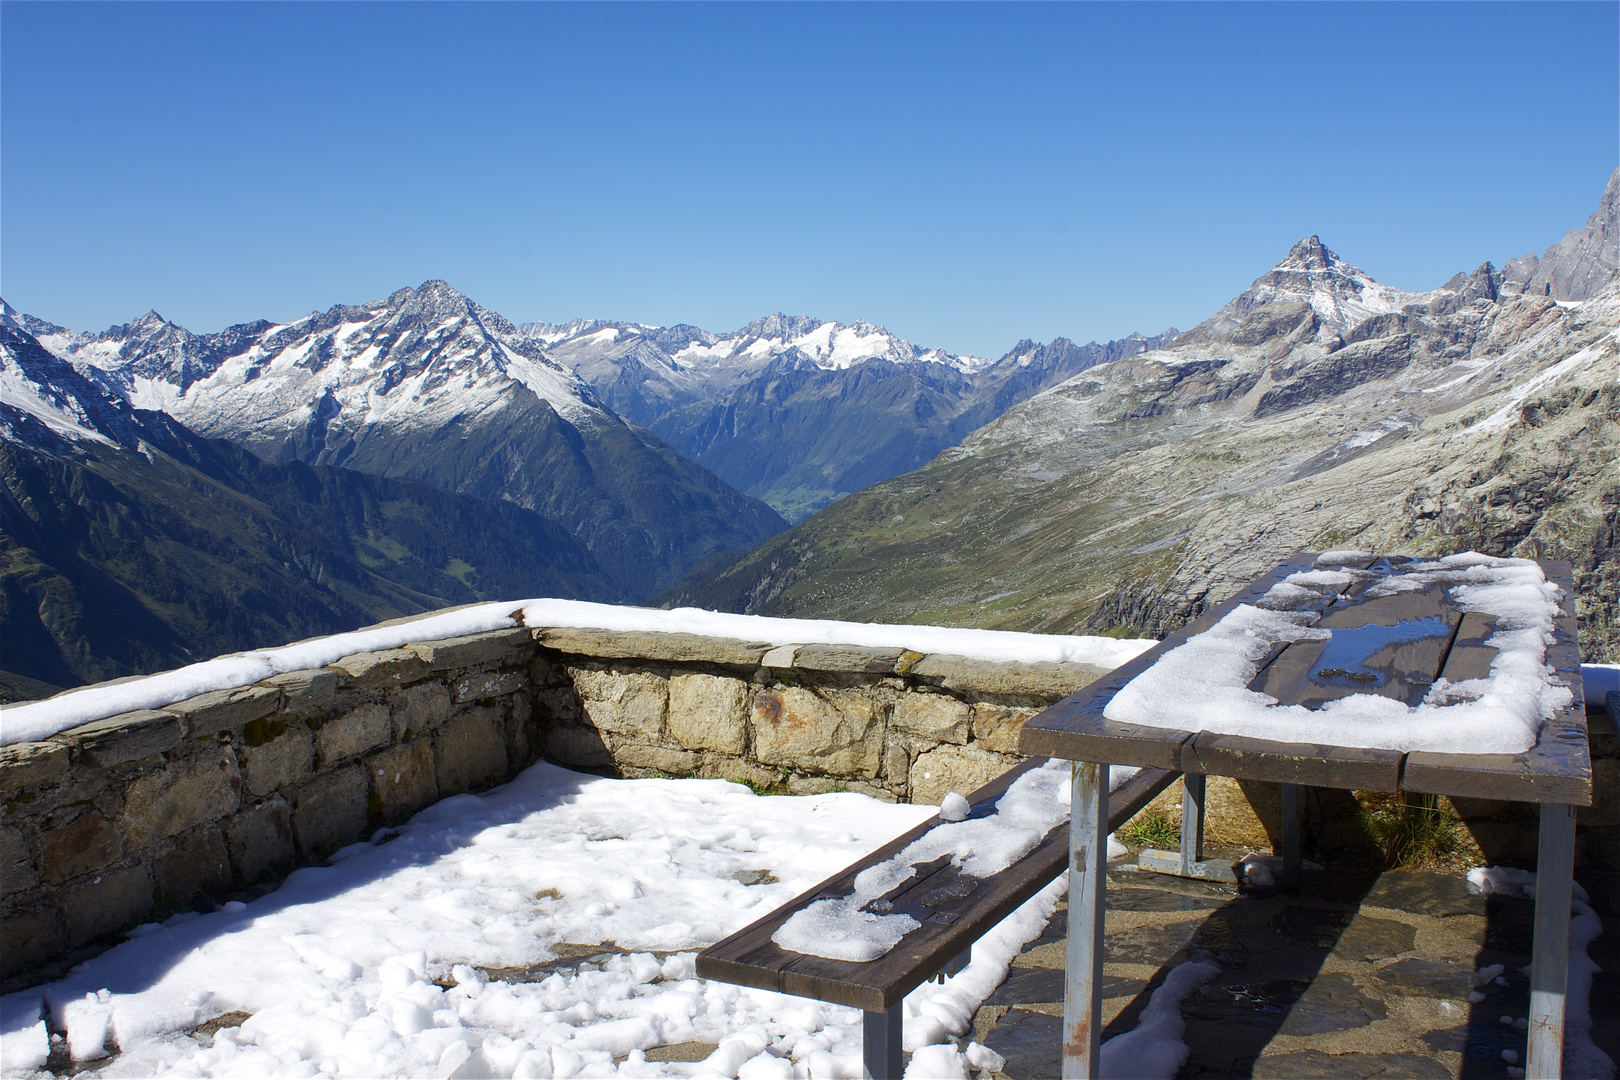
(966, 175)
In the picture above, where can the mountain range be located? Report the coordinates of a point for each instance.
(236, 489)
(1317, 409)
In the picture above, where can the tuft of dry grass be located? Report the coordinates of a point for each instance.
(1418, 832)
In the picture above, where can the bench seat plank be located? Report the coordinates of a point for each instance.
(950, 925)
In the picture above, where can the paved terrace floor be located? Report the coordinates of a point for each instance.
(1356, 975)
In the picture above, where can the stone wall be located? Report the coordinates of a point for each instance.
(141, 815)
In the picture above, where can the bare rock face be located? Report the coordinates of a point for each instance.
(1579, 265)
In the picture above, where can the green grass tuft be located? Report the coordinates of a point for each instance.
(1153, 829)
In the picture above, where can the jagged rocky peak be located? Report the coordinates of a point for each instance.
(780, 326)
(1578, 266)
(1309, 254)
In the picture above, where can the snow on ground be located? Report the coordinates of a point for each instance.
(1203, 684)
(1582, 1057)
(41, 719)
(386, 962)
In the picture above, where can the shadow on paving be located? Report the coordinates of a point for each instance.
(1271, 947)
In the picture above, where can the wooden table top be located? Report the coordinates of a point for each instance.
(1446, 643)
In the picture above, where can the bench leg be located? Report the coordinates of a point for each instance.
(1192, 822)
(1290, 836)
(1088, 893)
(1549, 965)
(880, 1043)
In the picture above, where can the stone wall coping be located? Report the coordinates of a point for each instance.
(126, 736)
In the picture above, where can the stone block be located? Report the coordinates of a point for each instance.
(470, 750)
(837, 732)
(221, 709)
(493, 646)
(363, 728)
(996, 727)
(386, 667)
(31, 937)
(936, 718)
(559, 703)
(286, 757)
(578, 746)
(780, 657)
(305, 689)
(1051, 681)
(684, 648)
(660, 759)
(709, 712)
(26, 765)
(127, 737)
(199, 864)
(183, 793)
(740, 771)
(961, 769)
(16, 862)
(420, 708)
(525, 743)
(79, 844)
(108, 903)
(857, 658)
(260, 838)
(482, 685)
(330, 811)
(403, 779)
(626, 703)
(896, 764)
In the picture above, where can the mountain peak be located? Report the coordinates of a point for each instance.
(1310, 254)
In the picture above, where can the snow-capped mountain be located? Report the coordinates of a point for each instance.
(802, 411)
(1317, 409)
(428, 385)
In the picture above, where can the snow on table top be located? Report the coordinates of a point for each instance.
(339, 966)
(42, 719)
(1202, 685)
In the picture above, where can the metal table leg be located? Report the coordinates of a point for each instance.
(881, 1034)
(1088, 891)
(1189, 861)
(1549, 965)
(1192, 822)
(1290, 836)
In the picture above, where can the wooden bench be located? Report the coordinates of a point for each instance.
(953, 908)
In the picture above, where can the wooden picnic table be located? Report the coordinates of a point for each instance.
(1556, 772)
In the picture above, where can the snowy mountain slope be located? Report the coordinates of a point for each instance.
(130, 543)
(428, 385)
(1318, 409)
(801, 411)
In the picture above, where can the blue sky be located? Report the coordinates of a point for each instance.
(966, 175)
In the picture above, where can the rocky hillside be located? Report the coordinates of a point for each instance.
(1318, 409)
(428, 386)
(799, 411)
(132, 544)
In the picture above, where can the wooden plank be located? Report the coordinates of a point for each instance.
(1470, 657)
(750, 958)
(1310, 764)
(1391, 646)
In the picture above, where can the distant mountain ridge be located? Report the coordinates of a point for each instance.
(801, 411)
(131, 544)
(427, 385)
(1316, 409)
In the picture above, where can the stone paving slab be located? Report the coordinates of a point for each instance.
(1356, 976)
